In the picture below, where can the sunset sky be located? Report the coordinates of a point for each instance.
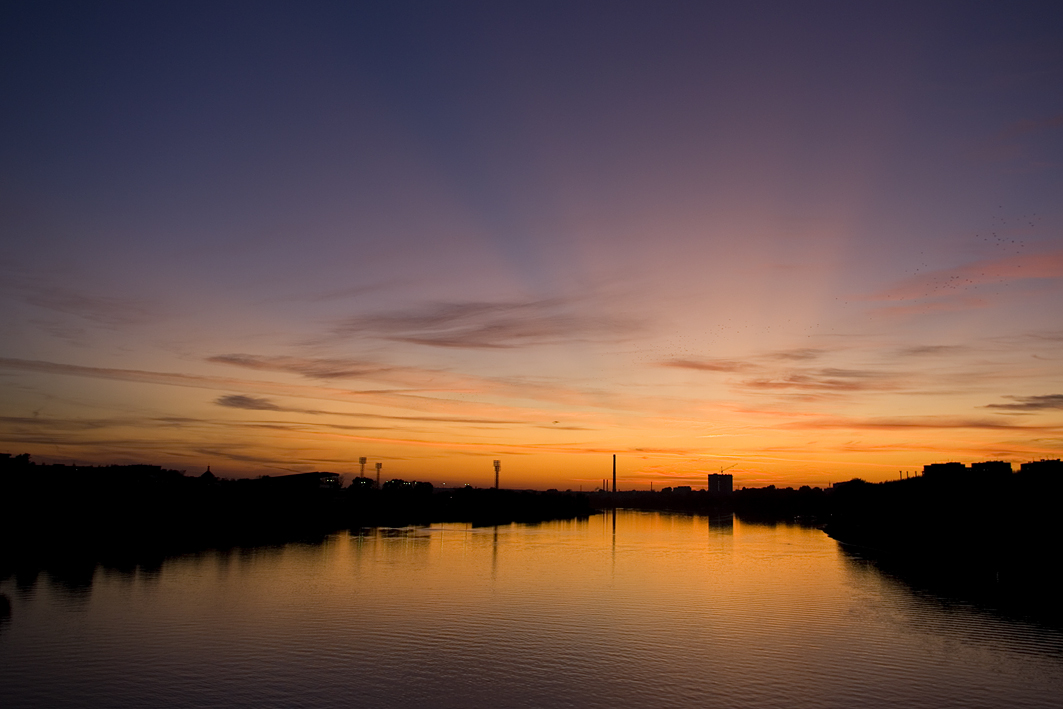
(811, 241)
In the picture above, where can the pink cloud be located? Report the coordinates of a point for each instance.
(950, 281)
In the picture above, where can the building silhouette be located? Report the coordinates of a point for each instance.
(1043, 467)
(721, 483)
(944, 471)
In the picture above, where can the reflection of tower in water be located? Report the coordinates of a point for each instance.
(494, 554)
(614, 538)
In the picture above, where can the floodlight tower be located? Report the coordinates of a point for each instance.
(361, 462)
(378, 467)
(498, 466)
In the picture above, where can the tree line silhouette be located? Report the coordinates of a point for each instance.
(118, 513)
(981, 527)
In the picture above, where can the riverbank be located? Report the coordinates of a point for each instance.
(66, 515)
(992, 540)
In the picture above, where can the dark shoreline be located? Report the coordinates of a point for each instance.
(993, 538)
(66, 517)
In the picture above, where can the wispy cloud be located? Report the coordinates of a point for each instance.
(827, 379)
(912, 423)
(781, 373)
(1050, 336)
(389, 398)
(134, 375)
(255, 403)
(709, 365)
(209, 453)
(102, 309)
(1031, 403)
(803, 354)
(932, 350)
(762, 362)
(65, 424)
(313, 368)
(250, 403)
(425, 399)
(483, 325)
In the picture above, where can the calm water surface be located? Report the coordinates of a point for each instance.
(664, 611)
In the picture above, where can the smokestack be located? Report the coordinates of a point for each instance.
(614, 472)
(378, 467)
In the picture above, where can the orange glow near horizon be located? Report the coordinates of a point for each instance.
(696, 239)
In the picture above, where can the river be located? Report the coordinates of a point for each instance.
(634, 610)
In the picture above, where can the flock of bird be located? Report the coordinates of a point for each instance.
(1004, 235)
(999, 236)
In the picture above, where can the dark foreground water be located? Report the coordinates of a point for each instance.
(665, 611)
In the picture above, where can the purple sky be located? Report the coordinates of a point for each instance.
(810, 240)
